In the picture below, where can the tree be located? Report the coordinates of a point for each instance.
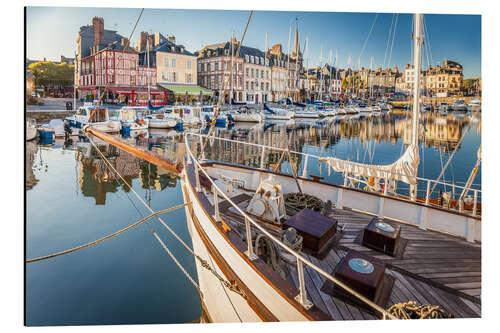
(48, 74)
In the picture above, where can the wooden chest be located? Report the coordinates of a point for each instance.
(315, 228)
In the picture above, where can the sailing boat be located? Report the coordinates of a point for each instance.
(275, 246)
(279, 257)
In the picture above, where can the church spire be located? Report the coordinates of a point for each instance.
(296, 46)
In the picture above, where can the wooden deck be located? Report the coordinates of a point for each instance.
(432, 268)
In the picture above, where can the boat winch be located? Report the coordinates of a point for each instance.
(267, 202)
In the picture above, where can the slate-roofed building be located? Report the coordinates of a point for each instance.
(111, 65)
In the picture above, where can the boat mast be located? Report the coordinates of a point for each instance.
(417, 44)
(232, 61)
(306, 57)
(149, 73)
(288, 65)
(265, 65)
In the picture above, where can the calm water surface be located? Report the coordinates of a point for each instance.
(72, 199)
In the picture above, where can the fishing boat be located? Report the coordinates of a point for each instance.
(95, 116)
(31, 131)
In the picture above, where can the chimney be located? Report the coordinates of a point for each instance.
(276, 49)
(143, 37)
(124, 42)
(171, 39)
(98, 23)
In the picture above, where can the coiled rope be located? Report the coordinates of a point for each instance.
(410, 310)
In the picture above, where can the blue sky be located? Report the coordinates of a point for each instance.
(52, 31)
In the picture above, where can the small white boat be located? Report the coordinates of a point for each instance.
(189, 115)
(31, 131)
(127, 116)
(207, 114)
(161, 120)
(277, 113)
(306, 113)
(55, 128)
(475, 105)
(459, 105)
(100, 119)
(244, 114)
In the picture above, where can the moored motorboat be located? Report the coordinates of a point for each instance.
(95, 116)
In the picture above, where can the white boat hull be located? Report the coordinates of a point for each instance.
(167, 123)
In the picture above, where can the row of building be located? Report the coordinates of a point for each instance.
(159, 68)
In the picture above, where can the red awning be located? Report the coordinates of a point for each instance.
(137, 90)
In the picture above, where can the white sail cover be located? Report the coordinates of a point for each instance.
(404, 169)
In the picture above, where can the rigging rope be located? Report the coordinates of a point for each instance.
(393, 37)
(231, 286)
(97, 241)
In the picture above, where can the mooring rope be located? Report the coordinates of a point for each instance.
(231, 286)
(97, 241)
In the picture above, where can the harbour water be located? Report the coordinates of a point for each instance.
(72, 199)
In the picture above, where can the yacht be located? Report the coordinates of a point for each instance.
(459, 105)
(95, 116)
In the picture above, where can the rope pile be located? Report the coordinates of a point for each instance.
(300, 201)
(410, 310)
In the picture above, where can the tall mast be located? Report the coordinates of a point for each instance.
(321, 74)
(417, 44)
(371, 69)
(330, 59)
(232, 61)
(265, 64)
(149, 74)
(306, 57)
(288, 64)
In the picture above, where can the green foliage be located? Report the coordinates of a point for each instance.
(49, 74)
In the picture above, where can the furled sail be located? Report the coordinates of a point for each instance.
(404, 169)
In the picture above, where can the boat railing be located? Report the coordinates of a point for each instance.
(427, 184)
(249, 222)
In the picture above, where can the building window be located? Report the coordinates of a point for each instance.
(188, 64)
(166, 61)
(189, 78)
(132, 79)
(252, 85)
(252, 71)
(216, 66)
(110, 78)
(262, 74)
(246, 85)
(246, 57)
(174, 76)
(246, 71)
(173, 62)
